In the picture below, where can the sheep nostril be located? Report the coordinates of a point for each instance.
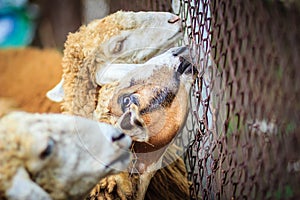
(186, 67)
(174, 20)
(119, 137)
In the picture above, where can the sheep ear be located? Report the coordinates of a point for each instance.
(114, 72)
(57, 93)
(24, 188)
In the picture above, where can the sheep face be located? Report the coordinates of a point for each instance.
(144, 34)
(58, 155)
(151, 102)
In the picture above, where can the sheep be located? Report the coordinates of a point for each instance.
(42, 158)
(150, 88)
(123, 37)
(150, 104)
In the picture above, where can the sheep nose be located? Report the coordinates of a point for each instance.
(118, 137)
(186, 67)
(174, 20)
(122, 141)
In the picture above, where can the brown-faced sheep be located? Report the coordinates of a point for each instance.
(51, 156)
(150, 104)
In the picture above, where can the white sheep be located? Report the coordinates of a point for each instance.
(55, 156)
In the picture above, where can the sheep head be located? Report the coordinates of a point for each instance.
(123, 37)
(50, 156)
(143, 35)
(150, 103)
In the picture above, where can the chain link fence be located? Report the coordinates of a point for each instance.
(243, 134)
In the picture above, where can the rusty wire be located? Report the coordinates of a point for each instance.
(243, 140)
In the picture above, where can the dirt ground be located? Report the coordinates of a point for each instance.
(25, 77)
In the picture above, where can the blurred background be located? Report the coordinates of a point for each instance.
(46, 23)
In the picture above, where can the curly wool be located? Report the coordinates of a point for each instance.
(11, 156)
(79, 61)
(104, 95)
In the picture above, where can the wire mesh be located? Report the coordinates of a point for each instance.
(243, 140)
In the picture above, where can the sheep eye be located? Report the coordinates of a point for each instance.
(127, 100)
(118, 46)
(48, 150)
